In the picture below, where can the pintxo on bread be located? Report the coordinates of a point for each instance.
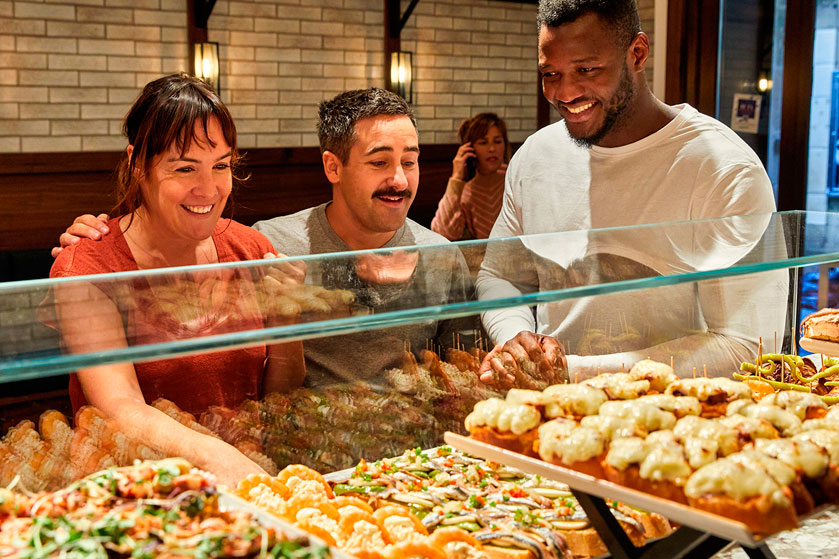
(821, 325)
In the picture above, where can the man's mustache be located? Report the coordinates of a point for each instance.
(393, 192)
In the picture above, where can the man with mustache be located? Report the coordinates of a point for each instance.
(370, 151)
(619, 157)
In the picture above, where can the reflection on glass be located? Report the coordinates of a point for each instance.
(392, 338)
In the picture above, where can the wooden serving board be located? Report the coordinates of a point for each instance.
(229, 501)
(820, 346)
(683, 514)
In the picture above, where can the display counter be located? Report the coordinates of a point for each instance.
(392, 339)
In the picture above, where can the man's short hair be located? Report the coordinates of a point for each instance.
(620, 15)
(337, 116)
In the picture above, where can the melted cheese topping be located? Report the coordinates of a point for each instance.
(704, 388)
(752, 427)
(568, 400)
(659, 374)
(626, 452)
(735, 479)
(801, 455)
(619, 386)
(828, 440)
(665, 462)
(679, 405)
(519, 396)
(564, 440)
(785, 422)
(649, 416)
(780, 472)
(665, 436)
(701, 451)
(725, 437)
(504, 416)
(794, 401)
(613, 427)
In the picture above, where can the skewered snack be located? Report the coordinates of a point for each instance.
(714, 394)
(659, 375)
(822, 325)
(565, 443)
(619, 386)
(151, 509)
(805, 405)
(658, 468)
(573, 401)
(505, 424)
(742, 489)
(679, 406)
(783, 372)
(786, 422)
(811, 462)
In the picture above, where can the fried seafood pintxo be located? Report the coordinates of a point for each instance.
(514, 515)
(300, 495)
(152, 509)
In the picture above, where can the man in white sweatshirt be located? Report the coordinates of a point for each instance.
(621, 157)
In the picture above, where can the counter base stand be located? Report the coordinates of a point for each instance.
(684, 543)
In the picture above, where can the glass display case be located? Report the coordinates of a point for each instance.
(393, 339)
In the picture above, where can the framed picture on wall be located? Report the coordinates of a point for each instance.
(745, 112)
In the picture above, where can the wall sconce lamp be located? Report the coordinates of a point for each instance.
(764, 83)
(402, 74)
(206, 64)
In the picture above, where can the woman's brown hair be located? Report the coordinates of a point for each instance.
(475, 128)
(165, 113)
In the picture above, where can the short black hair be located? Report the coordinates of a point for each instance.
(337, 116)
(621, 15)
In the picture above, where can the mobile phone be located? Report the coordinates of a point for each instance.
(471, 167)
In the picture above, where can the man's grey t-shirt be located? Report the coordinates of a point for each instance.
(440, 277)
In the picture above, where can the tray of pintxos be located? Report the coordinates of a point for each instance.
(701, 452)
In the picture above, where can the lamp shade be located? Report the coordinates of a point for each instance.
(206, 64)
(401, 74)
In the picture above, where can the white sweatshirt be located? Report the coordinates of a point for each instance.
(693, 168)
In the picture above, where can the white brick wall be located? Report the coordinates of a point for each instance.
(69, 69)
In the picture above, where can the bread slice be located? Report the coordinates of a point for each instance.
(523, 444)
(822, 325)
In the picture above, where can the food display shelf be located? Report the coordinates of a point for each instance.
(701, 535)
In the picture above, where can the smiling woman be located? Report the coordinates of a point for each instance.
(174, 183)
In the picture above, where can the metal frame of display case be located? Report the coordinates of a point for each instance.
(685, 542)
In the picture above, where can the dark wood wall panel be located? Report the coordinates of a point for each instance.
(40, 194)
